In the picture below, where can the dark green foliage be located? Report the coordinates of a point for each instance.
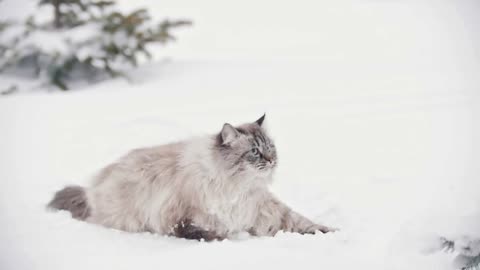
(113, 40)
(447, 245)
(131, 24)
(473, 263)
(468, 261)
(11, 89)
(67, 12)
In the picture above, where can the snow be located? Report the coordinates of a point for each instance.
(377, 134)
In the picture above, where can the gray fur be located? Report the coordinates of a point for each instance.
(73, 199)
(209, 187)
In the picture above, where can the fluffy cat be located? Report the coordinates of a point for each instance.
(210, 187)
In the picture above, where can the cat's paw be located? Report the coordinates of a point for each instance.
(318, 228)
(325, 229)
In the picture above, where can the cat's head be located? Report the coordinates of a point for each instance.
(247, 148)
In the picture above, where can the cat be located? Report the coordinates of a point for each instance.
(209, 188)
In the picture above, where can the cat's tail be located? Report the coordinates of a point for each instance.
(73, 199)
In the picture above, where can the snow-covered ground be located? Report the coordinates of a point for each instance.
(374, 108)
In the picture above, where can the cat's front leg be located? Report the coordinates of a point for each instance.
(269, 218)
(294, 222)
(274, 216)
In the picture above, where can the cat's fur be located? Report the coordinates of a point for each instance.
(208, 188)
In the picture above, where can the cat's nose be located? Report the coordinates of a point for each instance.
(268, 158)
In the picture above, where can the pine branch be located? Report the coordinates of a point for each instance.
(447, 245)
(468, 261)
(473, 264)
(123, 38)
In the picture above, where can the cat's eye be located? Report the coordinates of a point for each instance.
(255, 151)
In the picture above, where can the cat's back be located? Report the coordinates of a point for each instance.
(149, 155)
(142, 164)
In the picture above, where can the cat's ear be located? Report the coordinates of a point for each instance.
(260, 120)
(229, 133)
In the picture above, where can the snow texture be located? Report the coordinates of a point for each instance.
(374, 109)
